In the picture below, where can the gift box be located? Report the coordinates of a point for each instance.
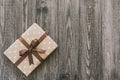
(31, 49)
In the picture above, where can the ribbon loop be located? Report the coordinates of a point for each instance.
(34, 43)
(22, 52)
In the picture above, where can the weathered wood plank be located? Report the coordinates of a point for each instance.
(10, 28)
(1, 28)
(90, 21)
(68, 23)
(111, 39)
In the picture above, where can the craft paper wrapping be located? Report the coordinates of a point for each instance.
(33, 32)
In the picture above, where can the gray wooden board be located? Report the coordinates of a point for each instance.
(86, 31)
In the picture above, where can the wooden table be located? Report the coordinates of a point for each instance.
(87, 32)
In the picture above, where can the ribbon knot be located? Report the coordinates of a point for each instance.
(31, 50)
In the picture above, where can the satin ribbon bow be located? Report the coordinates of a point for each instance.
(31, 50)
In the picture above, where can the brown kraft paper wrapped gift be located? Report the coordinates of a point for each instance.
(24, 52)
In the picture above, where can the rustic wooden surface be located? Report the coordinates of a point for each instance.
(87, 32)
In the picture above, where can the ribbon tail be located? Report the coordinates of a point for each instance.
(38, 57)
(30, 57)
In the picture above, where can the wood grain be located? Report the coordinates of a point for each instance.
(86, 31)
